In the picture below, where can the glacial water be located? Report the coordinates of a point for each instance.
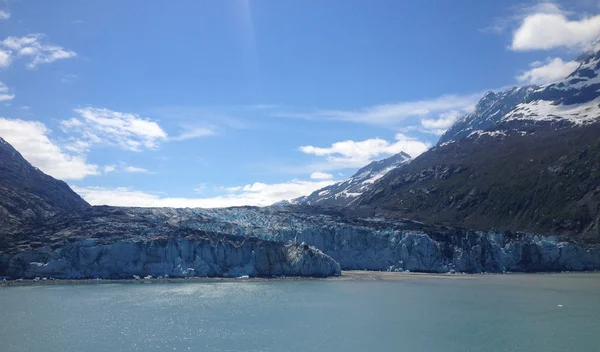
(552, 312)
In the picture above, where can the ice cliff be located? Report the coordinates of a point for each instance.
(225, 257)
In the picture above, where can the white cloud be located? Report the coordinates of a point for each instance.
(351, 154)
(30, 138)
(5, 58)
(258, 194)
(194, 132)
(551, 71)
(321, 176)
(34, 47)
(391, 114)
(4, 15)
(134, 169)
(123, 167)
(5, 94)
(128, 131)
(548, 27)
(109, 168)
(442, 123)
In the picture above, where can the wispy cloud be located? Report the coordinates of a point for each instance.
(5, 58)
(31, 139)
(258, 194)
(135, 169)
(125, 130)
(4, 15)
(33, 46)
(5, 93)
(547, 72)
(69, 78)
(194, 132)
(440, 124)
(123, 167)
(392, 114)
(352, 154)
(321, 176)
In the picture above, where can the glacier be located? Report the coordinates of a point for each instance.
(276, 241)
(177, 258)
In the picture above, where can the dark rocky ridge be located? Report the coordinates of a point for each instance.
(545, 181)
(28, 195)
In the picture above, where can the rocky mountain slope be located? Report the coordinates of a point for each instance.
(344, 193)
(488, 111)
(536, 169)
(29, 195)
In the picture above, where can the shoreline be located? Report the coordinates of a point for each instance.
(347, 275)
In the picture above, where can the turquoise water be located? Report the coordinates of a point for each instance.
(478, 313)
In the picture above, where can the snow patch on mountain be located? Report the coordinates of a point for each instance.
(544, 110)
(488, 111)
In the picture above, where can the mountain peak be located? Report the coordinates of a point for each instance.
(488, 111)
(343, 193)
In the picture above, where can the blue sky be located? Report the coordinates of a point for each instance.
(218, 103)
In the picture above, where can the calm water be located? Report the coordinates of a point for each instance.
(489, 313)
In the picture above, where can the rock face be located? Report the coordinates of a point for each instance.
(173, 257)
(29, 195)
(344, 193)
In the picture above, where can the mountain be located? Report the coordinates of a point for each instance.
(117, 242)
(29, 195)
(488, 111)
(343, 193)
(536, 169)
(574, 100)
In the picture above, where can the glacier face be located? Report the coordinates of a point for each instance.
(122, 242)
(169, 258)
(376, 244)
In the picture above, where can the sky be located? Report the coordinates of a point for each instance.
(241, 102)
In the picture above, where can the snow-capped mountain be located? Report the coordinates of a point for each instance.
(533, 169)
(488, 111)
(345, 192)
(574, 100)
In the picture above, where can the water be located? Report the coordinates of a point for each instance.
(473, 313)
